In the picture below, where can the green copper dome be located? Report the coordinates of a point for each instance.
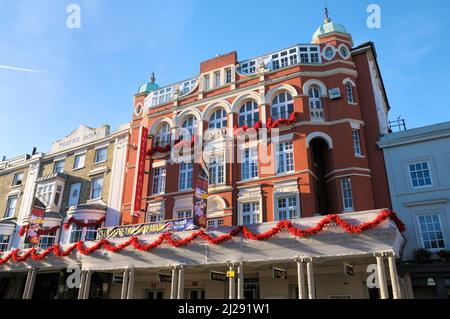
(148, 87)
(329, 28)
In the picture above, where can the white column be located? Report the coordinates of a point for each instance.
(131, 277)
(29, 284)
(174, 284)
(381, 276)
(87, 284)
(124, 284)
(82, 284)
(396, 292)
(180, 293)
(301, 279)
(310, 275)
(232, 286)
(240, 282)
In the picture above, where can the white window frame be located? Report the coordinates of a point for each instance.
(56, 166)
(4, 242)
(350, 93)
(206, 79)
(288, 207)
(81, 163)
(283, 109)
(92, 187)
(285, 157)
(442, 231)
(217, 79)
(159, 180)
(185, 176)
(183, 214)
(218, 119)
(163, 135)
(16, 180)
(228, 76)
(187, 86)
(248, 117)
(345, 190)
(161, 96)
(191, 127)
(97, 151)
(10, 211)
(356, 137)
(154, 218)
(215, 222)
(51, 236)
(74, 229)
(216, 168)
(429, 171)
(71, 190)
(316, 108)
(90, 229)
(254, 213)
(249, 163)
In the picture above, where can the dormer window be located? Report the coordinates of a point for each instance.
(17, 180)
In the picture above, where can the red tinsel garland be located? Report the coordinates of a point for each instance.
(47, 231)
(244, 128)
(167, 237)
(272, 124)
(159, 149)
(72, 220)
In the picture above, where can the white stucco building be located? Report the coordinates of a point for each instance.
(418, 168)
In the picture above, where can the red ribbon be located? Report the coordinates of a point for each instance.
(168, 237)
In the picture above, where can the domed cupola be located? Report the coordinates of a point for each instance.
(328, 27)
(148, 87)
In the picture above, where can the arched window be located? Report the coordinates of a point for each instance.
(190, 124)
(282, 106)
(315, 103)
(218, 119)
(163, 135)
(350, 96)
(249, 113)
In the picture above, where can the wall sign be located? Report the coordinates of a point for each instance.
(349, 270)
(218, 276)
(140, 172)
(82, 135)
(145, 229)
(334, 93)
(164, 278)
(279, 273)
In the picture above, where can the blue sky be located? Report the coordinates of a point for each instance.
(89, 75)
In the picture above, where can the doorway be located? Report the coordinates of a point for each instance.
(154, 294)
(319, 155)
(251, 289)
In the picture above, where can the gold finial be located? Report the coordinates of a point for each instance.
(152, 78)
(327, 18)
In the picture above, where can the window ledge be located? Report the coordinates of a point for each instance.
(360, 156)
(16, 186)
(95, 163)
(352, 103)
(78, 168)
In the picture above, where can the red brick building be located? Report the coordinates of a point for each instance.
(326, 158)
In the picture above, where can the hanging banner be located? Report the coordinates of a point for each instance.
(145, 229)
(140, 172)
(36, 222)
(201, 196)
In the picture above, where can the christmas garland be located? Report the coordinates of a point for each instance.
(47, 231)
(159, 149)
(273, 124)
(168, 237)
(238, 130)
(79, 223)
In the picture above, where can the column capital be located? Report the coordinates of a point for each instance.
(389, 254)
(379, 254)
(299, 259)
(180, 266)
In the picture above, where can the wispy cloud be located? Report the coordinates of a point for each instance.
(14, 68)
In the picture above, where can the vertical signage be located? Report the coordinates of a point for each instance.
(36, 222)
(201, 196)
(139, 173)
